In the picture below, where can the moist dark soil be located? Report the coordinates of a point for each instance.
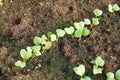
(22, 20)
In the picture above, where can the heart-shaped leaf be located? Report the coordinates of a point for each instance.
(44, 37)
(79, 25)
(78, 33)
(98, 12)
(53, 37)
(110, 8)
(49, 34)
(85, 32)
(97, 70)
(117, 74)
(99, 61)
(60, 32)
(37, 40)
(20, 64)
(87, 21)
(85, 78)
(80, 70)
(95, 21)
(69, 30)
(25, 54)
(47, 46)
(36, 51)
(110, 76)
(116, 7)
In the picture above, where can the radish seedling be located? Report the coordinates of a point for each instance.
(113, 8)
(53, 37)
(60, 33)
(49, 34)
(70, 30)
(87, 21)
(43, 37)
(81, 30)
(95, 21)
(98, 62)
(36, 51)
(20, 64)
(117, 74)
(47, 45)
(79, 33)
(37, 40)
(110, 75)
(80, 70)
(98, 12)
(25, 54)
(79, 25)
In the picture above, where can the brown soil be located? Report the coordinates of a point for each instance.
(21, 20)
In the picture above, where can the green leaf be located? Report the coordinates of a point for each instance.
(43, 37)
(53, 37)
(26, 54)
(98, 12)
(60, 32)
(95, 21)
(80, 70)
(48, 45)
(92, 62)
(85, 78)
(87, 21)
(78, 33)
(29, 49)
(117, 74)
(110, 76)
(97, 70)
(20, 64)
(85, 32)
(116, 7)
(110, 8)
(69, 30)
(79, 25)
(49, 34)
(37, 40)
(36, 50)
(1, 2)
(99, 61)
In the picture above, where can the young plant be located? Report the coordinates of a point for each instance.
(49, 34)
(70, 30)
(80, 70)
(47, 45)
(53, 37)
(20, 63)
(40, 40)
(60, 33)
(98, 12)
(113, 8)
(37, 40)
(98, 62)
(25, 54)
(95, 21)
(110, 75)
(87, 21)
(81, 30)
(36, 51)
(79, 25)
